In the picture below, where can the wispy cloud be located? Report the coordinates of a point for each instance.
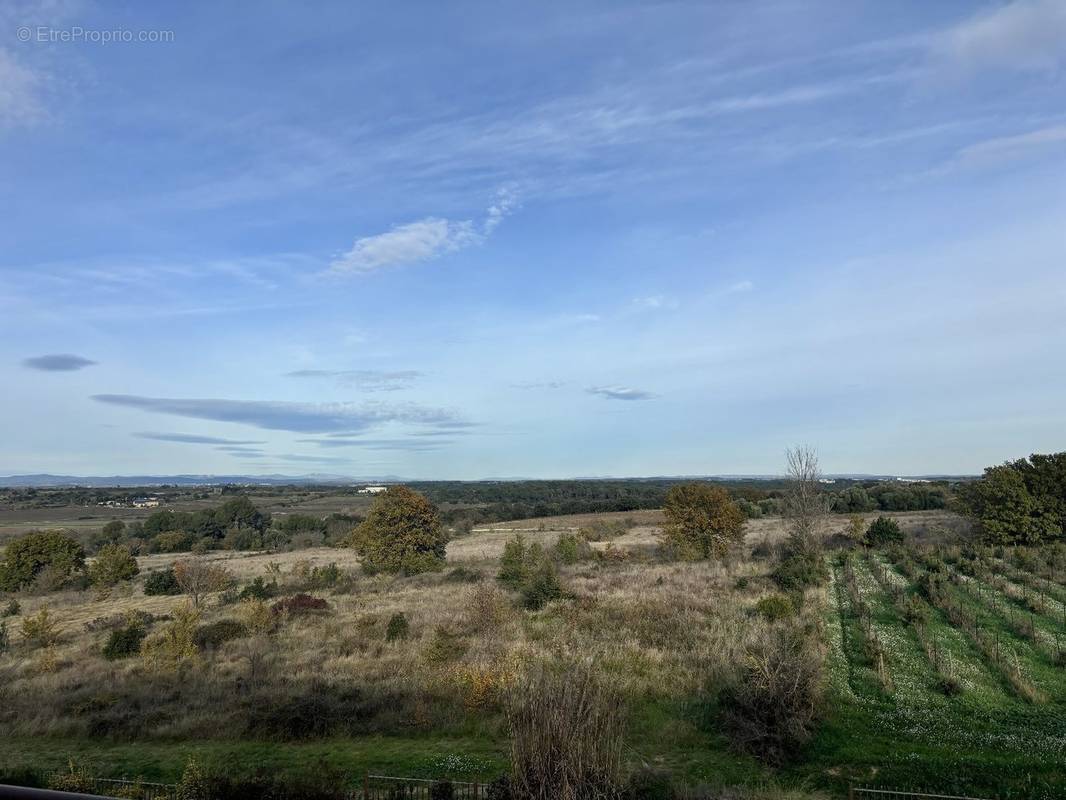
(60, 362)
(288, 416)
(539, 385)
(381, 444)
(191, 438)
(1022, 35)
(20, 92)
(420, 241)
(365, 379)
(620, 393)
(1007, 148)
(655, 302)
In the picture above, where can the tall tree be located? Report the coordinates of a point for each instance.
(702, 521)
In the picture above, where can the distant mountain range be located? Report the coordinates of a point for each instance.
(124, 481)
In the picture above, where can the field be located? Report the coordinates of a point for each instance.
(933, 704)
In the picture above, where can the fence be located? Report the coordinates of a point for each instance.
(140, 790)
(388, 787)
(859, 793)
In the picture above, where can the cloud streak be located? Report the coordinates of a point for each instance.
(365, 379)
(620, 393)
(60, 362)
(287, 416)
(190, 438)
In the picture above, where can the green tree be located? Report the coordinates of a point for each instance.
(112, 565)
(883, 531)
(401, 533)
(1005, 512)
(26, 557)
(702, 521)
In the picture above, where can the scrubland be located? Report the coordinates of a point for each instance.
(346, 687)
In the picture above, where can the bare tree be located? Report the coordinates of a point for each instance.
(198, 577)
(806, 505)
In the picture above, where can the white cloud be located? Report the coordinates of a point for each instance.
(20, 93)
(740, 286)
(655, 302)
(421, 241)
(406, 244)
(1023, 35)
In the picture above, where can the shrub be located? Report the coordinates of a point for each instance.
(198, 577)
(398, 627)
(299, 604)
(215, 634)
(486, 608)
(5, 638)
(883, 531)
(125, 641)
(258, 589)
(914, 611)
(172, 542)
(445, 646)
(256, 615)
(161, 582)
(112, 564)
(775, 606)
(463, 575)
(701, 521)
(800, 571)
(516, 562)
(401, 533)
(649, 783)
(771, 712)
(569, 549)
(325, 577)
(567, 731)
(40, 630)
(542, 587)
(12, 609)
(175, 645)
(442, 790)
(77, 778)
(27, 557)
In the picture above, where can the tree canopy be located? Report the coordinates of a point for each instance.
(402, 533)
(702, 521)
(26, 557)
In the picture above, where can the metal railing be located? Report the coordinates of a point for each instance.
(391, 787)
(862, 793)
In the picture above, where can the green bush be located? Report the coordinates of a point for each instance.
(445, 646)
(775, 606)
(11, 609)
(163, 582)
(800, 571)
(5, 637)
(258, 589)
(113, 564)
(702, 521)
(542, 587)
(125, 641)
(883, 531)
(215, 634)
(398, 627)
(28, 556)
(499, 788)
(442, 790)
(569, 549)
(516, 562)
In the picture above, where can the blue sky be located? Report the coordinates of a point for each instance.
(465, 240)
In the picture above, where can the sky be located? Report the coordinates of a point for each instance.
(506, 239)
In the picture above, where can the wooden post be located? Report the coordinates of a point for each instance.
(366, 785)
(475, 790)
(851, 791)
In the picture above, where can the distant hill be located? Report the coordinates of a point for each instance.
(123, 481)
